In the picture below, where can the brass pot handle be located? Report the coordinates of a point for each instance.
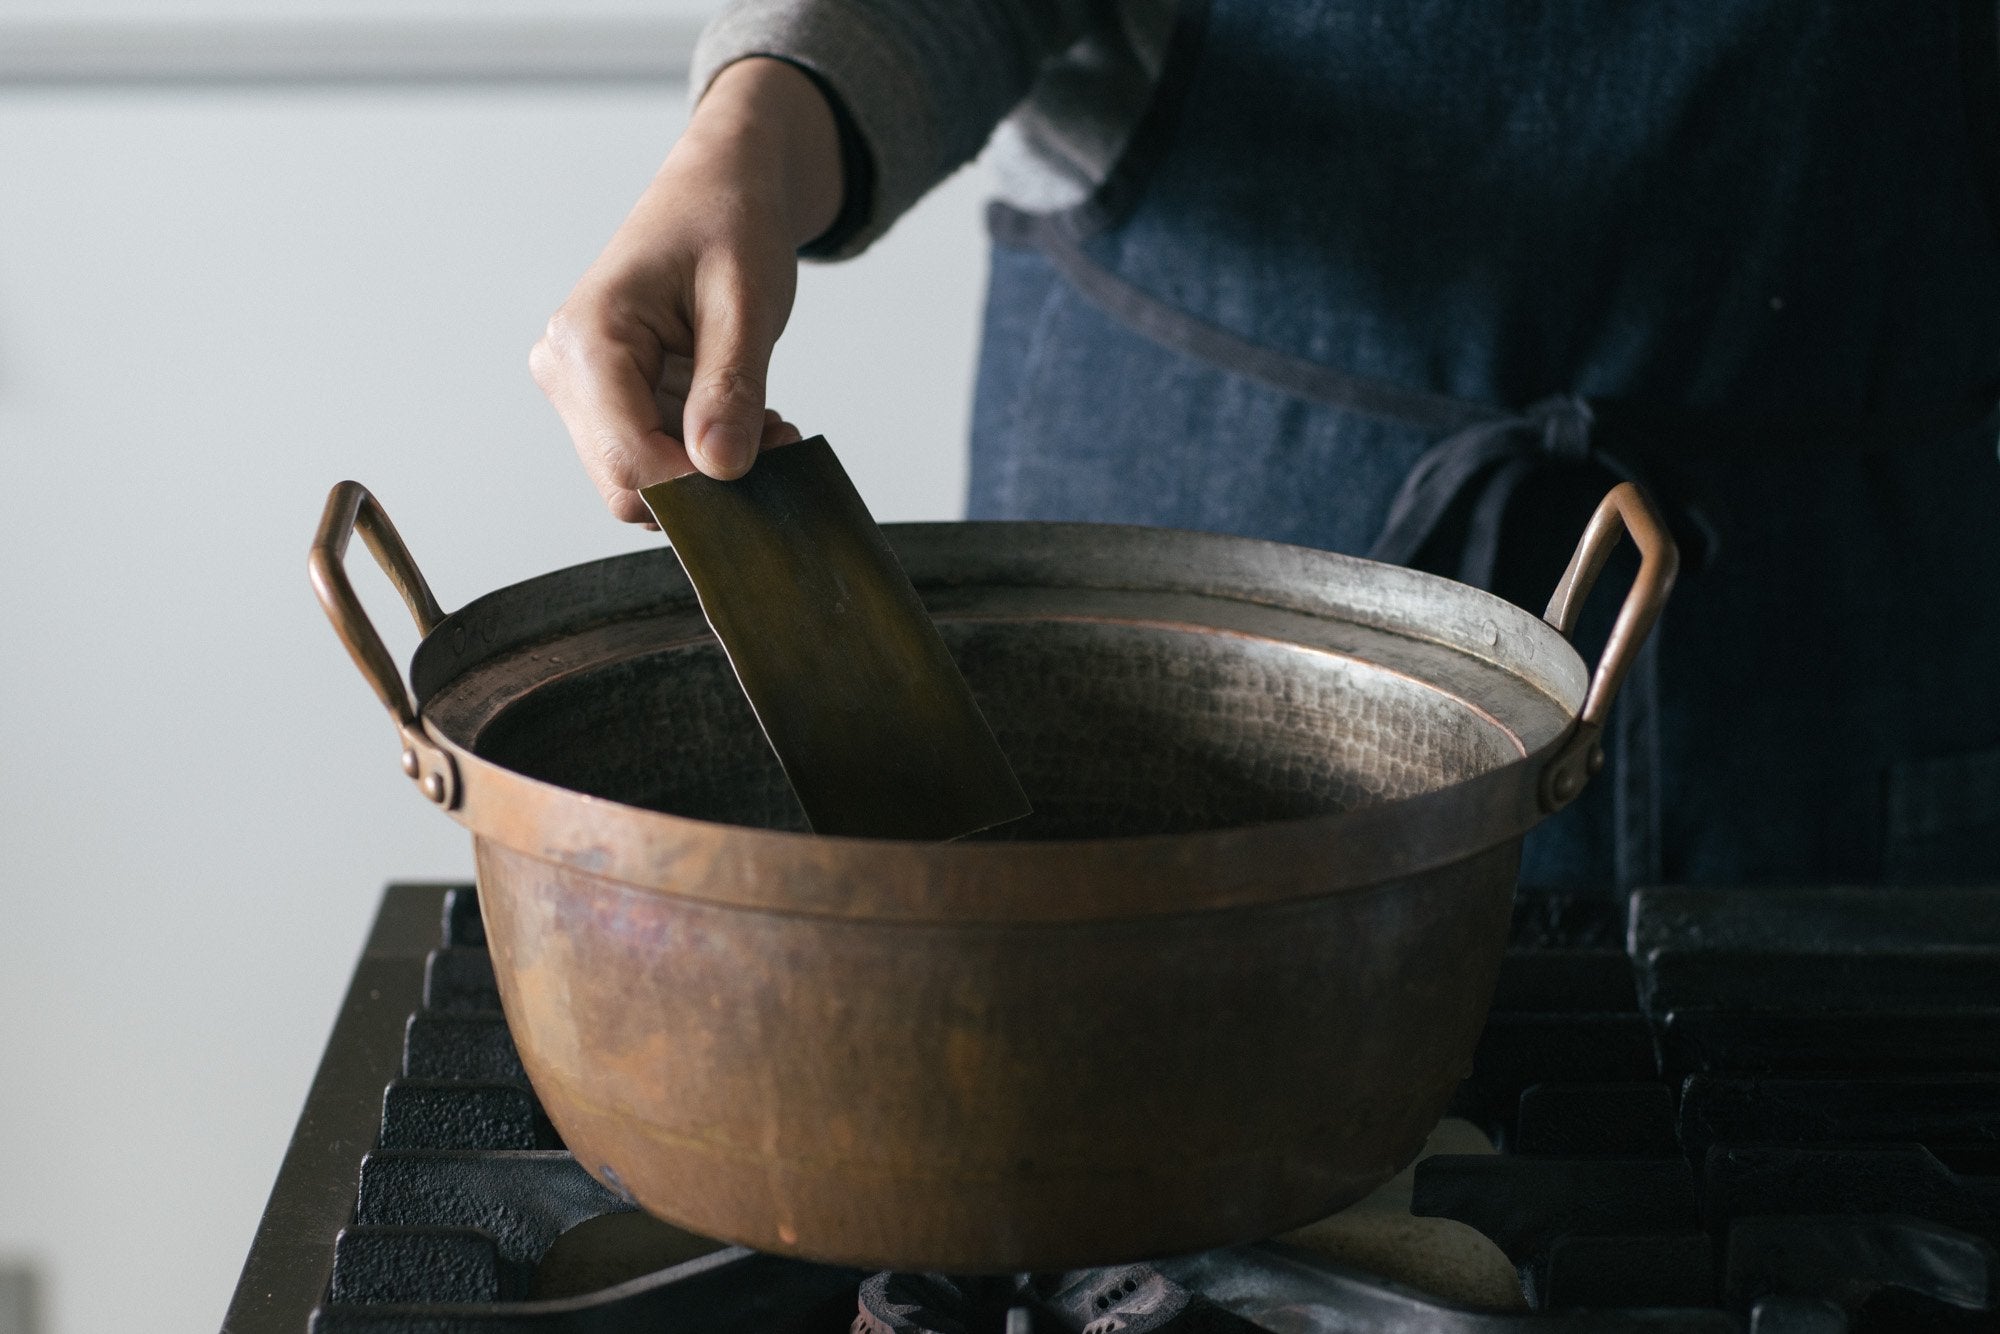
(350, 507)
(1625, 508)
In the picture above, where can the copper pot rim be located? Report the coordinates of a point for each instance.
(1054, 879)
(1022, 880)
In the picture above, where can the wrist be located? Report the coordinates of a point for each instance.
(772, 127)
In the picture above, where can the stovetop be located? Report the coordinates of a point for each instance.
(1758, 1111)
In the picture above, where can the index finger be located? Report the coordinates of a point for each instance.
(606, 398)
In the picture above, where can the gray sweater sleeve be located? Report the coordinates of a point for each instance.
(923, 81)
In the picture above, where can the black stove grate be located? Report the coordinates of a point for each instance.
(1760, 1111)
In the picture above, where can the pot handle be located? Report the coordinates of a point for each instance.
(1626, 508)
(350, 507)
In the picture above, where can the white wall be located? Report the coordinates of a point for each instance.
(213, 305)
(76, 12)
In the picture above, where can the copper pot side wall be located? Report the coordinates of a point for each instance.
(990, 1096)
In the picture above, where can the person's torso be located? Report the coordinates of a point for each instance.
(1752, 203)
(1754, 209)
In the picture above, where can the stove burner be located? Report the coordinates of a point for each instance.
(1136, 1299)
(1130, 1299)
(933, 1304)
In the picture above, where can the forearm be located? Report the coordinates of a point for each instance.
(772, 129)
(925, 81)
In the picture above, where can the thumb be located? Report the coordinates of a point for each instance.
(724, 418)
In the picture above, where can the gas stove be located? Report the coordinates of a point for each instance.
(1759, 1111)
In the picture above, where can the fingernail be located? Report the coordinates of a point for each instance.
(726, 450)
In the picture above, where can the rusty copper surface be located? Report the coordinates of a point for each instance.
(1219, 984)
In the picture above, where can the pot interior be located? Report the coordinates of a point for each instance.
(1114, 729)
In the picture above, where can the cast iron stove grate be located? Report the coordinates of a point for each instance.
(1748, 1111)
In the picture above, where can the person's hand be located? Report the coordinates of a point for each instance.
(657, 360)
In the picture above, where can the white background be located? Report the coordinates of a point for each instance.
(78, 12)
(214, 303)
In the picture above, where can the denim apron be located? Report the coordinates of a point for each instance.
(1419, 279)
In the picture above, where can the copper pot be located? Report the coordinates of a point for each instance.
(1220, 984)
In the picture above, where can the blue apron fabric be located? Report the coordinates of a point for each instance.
(1419, 278)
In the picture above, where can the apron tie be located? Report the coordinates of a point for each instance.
(1490, 460)
(1494, 456)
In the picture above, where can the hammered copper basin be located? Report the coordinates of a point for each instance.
(1221, 983)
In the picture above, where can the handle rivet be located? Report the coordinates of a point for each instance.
(1596, 760)
(410, 766)
(433, 787)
